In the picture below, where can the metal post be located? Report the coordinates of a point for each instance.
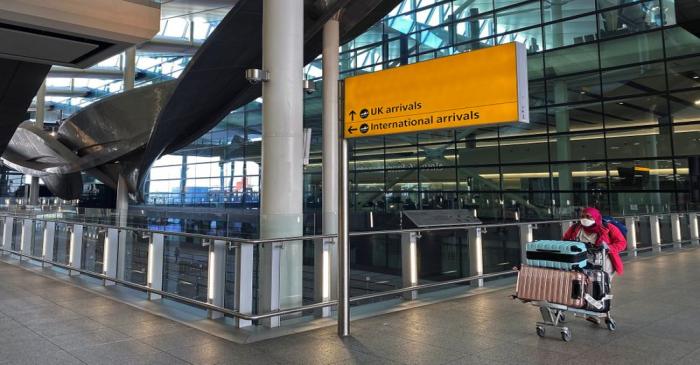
(525, 238)
(111, 250)
(694, 231)
(323, 250)
(343, 242)
(27, 234)
(476, 257)
(331, 71)
(409, 263)
(75, 255)
(154, 277)
(244, 282)
(129, 68)
(47, 247)
(7, 233)
(676, 230)
(281, 205)
(655, 233)
(216, 276)
(631, 223)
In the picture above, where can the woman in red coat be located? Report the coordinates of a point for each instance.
(592, 230)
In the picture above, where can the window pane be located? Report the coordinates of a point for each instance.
(634, 80)
(639, 48)
(577, 147)
(522, 16)
(571, 60)
(639, 143)
(636, 111)
(578, 88)
(570, 32)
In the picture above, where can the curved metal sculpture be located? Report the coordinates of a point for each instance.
(127, 132)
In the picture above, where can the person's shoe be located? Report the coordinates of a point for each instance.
(594, 320)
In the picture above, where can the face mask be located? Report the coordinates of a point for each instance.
(587, 222)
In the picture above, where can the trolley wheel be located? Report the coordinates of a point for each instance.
(566, 335)
(540, 331)
(610, 323)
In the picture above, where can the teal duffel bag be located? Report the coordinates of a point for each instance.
(563, 255)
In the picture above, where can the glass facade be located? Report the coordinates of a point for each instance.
(614, 105)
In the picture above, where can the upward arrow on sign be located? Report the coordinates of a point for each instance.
(352, 115)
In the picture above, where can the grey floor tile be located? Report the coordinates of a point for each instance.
(185, 338)
(54, 358)
(124, 352)
(88, 338)
(222, 352)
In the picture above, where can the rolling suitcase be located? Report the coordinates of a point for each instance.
(597, 294)
(563, 255)
(555, 286)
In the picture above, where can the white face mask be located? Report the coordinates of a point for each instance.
(587, 222)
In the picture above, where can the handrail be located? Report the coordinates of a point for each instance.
(256, 241)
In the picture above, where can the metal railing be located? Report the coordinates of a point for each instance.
(114, 240)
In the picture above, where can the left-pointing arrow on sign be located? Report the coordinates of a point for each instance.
(352, 115)
(351, 129)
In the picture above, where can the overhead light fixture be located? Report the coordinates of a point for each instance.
(696, 77)
(697, 102)
(621, 103)
(256, 76)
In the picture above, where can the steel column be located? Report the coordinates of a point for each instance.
(154, 277)
(331, 71)
(343, 242)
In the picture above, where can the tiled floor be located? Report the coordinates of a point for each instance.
(657, 307)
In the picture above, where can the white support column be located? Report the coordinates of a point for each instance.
(27, 234)
(216, 276)
(281, 203)
(47, 248)
(409, 263)
(676, 230)
(331, 71)
(525, 238)
(244, 282)
(323, 251)
(154, 276)
(655, 230)
(694, 231)
(111, 250)
(7, 233)
(75, 255)
(631, 224)
(476, 255)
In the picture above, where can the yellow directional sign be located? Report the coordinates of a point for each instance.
(475, 88)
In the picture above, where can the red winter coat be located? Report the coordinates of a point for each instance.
(611, 235)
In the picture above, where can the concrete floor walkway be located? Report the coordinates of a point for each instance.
(657, 308)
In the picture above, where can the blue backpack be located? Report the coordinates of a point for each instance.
(621, 226)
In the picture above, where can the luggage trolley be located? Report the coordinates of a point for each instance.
(554, 315)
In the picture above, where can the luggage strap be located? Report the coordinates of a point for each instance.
(557, 256)
(598, 304)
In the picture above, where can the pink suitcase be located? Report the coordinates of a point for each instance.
(554, 286)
